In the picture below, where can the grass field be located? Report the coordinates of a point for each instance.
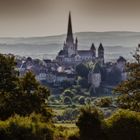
(68, 125)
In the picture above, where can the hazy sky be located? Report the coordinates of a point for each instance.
(49, 17)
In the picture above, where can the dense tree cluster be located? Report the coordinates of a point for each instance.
(82, 70)
(129, 90)
(21, 96)
(90, 124)
(122, 125)
(31, 127)
(23, 112)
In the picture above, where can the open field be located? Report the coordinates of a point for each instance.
(67, 125)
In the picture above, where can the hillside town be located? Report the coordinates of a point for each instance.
(55, 72)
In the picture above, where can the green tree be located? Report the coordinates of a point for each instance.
(20, 95)
(81, 100)
(114, 77)
(67, 100)
(124, 125)
(32, 127)
(82, 70)
(8, 74)
(68, 93)
(104, 102)
(83, 82)
(90, 124)
(129, 90)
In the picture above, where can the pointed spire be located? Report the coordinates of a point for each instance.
(93, 47)
(69, 32)
(101, 47)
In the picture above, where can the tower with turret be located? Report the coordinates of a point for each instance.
(70, 55)
(93, 50)
(101, 53)
(70, 46)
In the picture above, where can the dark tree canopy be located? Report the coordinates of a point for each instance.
(114, 77)
(82, 70)
(124, 125)
(90, 124)
(21, 96)
(8, 74)
(129, 90)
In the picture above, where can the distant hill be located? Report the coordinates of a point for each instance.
(115, 44)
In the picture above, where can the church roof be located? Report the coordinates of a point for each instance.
(62, 52)
(121, 59)
(84, 52)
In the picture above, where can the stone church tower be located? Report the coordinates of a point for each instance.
(101, 53)
(70, 46)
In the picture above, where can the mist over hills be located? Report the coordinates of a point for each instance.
(115, 44)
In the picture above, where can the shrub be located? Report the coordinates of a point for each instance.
(67, 100)
(83, 82)
(82, 70)
(124, 125)
(76, 99)
(70, 114)
(90, 124)
(87, 100)
(25, 128)
(74, 137)
(82, 100)
(104, 102)
(68, 93)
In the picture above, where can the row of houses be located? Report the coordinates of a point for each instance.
(46, 70)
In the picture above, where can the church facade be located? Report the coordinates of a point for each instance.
(70, 53)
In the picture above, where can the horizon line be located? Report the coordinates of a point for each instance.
(61, 34)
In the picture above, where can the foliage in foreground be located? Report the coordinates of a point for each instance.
(122, 125)
(19, 95)
(129, 90)
(90, 124)
(33, 127)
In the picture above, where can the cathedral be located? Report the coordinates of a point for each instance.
(70, 53)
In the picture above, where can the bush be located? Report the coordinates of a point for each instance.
(90, 124)
(104, 102)
(74, 137)
(82, 70)
(26, 128)
(124, 125)
(67, 100)
(70, 114)
(68, 93)
(82, 100)
(83, 82)
(76, 99)
(87, 100)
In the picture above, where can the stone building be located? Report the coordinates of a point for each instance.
(70, 53)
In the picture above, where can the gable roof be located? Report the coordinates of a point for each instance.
(85, 53)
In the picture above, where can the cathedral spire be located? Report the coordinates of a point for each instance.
(69, 32)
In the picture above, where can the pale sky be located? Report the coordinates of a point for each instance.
(24, 18)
